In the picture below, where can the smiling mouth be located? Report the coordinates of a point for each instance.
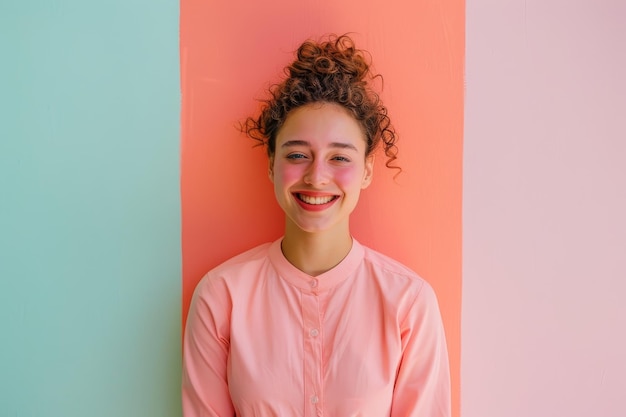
(316, 200)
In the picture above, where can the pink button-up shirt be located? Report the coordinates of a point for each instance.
(363, 339)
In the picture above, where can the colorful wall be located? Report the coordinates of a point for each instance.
(228, 60)
(228, 205)
(90, 259)
(123, 179)
(544, 204)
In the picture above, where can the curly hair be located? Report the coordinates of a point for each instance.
(333, 71)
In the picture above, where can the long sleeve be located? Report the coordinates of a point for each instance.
(422, 386)
(264, 339)
(205, 353)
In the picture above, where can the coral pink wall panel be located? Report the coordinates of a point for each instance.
(230, 51)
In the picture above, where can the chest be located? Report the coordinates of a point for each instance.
(295, 352)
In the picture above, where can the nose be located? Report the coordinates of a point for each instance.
(317, 173)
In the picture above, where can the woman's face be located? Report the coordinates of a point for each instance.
(319, 167)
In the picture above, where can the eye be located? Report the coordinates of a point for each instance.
(340, 158)
(296, 155)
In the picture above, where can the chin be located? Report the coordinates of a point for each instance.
(312, 227)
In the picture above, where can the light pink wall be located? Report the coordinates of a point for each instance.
(544, 266)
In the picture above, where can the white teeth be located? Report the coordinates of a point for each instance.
(315, 200)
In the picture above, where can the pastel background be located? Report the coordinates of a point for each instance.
(90, 258)
(511, 115)
(544, 209)
(228, 59)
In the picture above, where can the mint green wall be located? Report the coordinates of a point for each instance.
(89, 208)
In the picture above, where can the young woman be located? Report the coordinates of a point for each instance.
(315, 324)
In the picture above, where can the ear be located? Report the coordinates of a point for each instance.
(270, 168)
(369, 171)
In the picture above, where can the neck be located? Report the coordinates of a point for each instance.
(315, 253)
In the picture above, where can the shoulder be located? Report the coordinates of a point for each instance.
(394, 277)
(391, 268)
(244, 260)
(246, 264)
(387, 263)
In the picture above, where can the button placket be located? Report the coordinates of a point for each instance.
(312, 353)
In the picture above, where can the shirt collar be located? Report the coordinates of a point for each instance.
(322, 282)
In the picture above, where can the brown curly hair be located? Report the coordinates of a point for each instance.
(332, 71)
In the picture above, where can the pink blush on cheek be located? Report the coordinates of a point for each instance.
(289, 173)
(346, 175)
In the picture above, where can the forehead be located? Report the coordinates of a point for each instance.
(321, 124)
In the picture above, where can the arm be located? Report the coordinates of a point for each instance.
(205, 353)
(422, 386)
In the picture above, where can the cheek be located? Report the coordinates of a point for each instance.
(287, 173)
(349, 176)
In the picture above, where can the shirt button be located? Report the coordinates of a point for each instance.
(313, 283)
(314, 399)
(314, 333)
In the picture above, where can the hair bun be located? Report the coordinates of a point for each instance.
(332, 71)
(337, 55)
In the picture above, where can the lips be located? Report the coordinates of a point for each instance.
(315, 200)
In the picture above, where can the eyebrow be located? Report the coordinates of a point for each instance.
(340, 145)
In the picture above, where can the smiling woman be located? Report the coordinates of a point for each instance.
(318, 171)
(315, 323)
